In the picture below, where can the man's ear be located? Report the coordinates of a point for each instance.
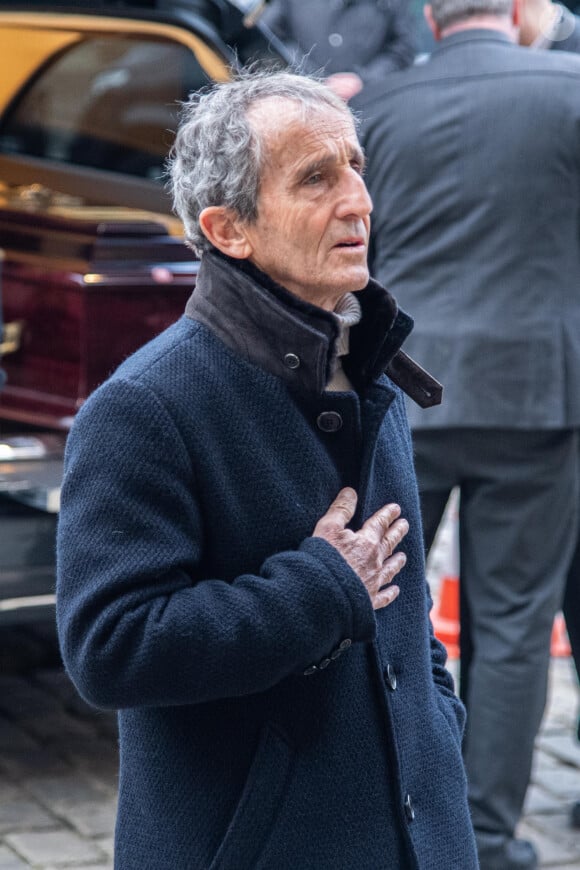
(433, 26)
(222, 227)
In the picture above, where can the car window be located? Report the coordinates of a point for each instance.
(108, 102)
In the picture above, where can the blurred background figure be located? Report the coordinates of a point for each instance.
(549, 25)
(473, 169)
(552, 26)
(350, 41)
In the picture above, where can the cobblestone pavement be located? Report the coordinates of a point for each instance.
(555, 782)
(58, 763)
(556, 775)
(58, 766)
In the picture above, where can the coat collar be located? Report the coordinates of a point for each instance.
(471, 34)
(296, 341)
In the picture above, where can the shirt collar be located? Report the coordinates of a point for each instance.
(471, 34)
(349, 313)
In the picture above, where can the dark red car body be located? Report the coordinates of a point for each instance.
(92, 263)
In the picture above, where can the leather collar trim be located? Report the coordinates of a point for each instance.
(296, 341)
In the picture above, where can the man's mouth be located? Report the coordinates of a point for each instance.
(351, 243)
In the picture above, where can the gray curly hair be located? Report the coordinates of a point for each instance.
(217, 156)
(447, 12)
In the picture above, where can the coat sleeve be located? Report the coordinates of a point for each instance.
(139, 621)
(443, 680)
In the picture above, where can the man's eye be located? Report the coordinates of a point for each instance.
(315, 178)
(358, 167)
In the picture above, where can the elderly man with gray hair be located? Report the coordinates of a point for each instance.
(474, 167)
(238, 499)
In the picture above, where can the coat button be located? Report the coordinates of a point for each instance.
(391, 678)
(409, 811)
(329, 421)
(343, 645)
(292, 361)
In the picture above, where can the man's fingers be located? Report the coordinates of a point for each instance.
(370, 551)
(393, 537)
(339, 514)
(386, 530)
(386, 593)
(385, 596)
(381, 521)
(391, 568)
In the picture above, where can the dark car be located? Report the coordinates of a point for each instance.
(92, 262)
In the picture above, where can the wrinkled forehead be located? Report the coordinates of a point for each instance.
(285, 126)
(292, 108)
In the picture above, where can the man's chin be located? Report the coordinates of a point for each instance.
(360, 279)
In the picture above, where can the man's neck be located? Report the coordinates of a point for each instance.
(539, 23)
(501, 23)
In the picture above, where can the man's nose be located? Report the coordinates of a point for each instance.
(355, 198)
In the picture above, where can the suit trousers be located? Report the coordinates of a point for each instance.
(517, 516)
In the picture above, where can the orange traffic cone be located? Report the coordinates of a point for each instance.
(445, 613)
(445, 616)
(560, 645)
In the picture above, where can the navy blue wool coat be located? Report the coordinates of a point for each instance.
(269, 718)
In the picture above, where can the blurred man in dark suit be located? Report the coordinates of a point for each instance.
(474, 169)
(552, 26)
(351, 42)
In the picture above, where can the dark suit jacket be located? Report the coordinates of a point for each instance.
(474, 168)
